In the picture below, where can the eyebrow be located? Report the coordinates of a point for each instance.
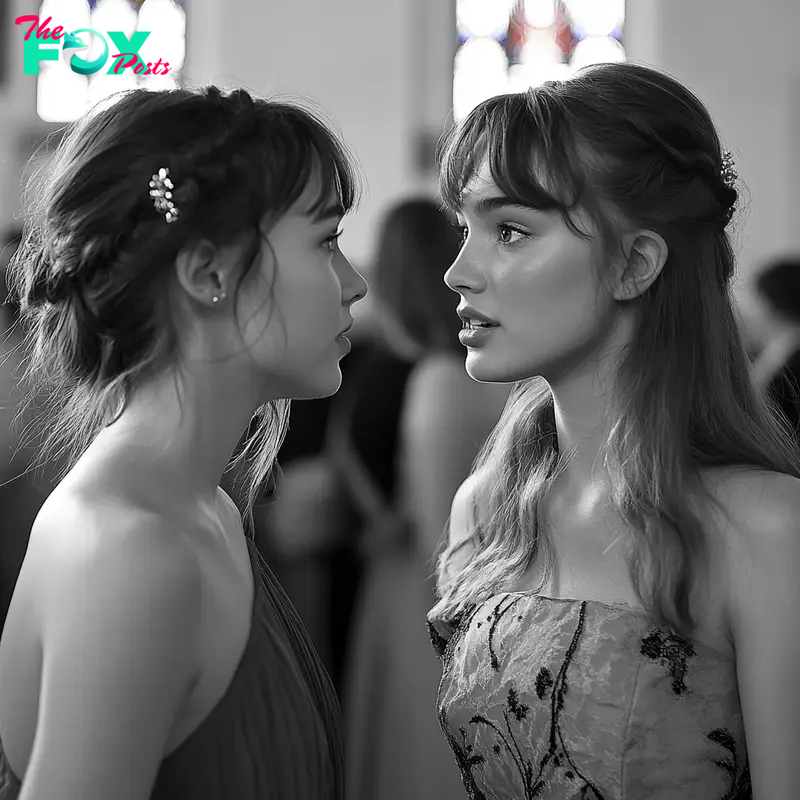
(487, 204)
(329, 212)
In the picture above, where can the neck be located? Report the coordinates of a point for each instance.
(581, 433)
(179, 432)
(583, 422)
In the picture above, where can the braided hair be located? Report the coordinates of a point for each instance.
(93, 272)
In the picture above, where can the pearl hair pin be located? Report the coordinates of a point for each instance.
(728, 171)
(161, 191)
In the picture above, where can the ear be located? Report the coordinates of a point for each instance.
(202, 273)
(645, 255)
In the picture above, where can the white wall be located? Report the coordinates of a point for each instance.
(378, 68)
(742, 59)
(382, 69)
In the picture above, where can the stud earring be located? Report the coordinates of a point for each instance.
(216, 298)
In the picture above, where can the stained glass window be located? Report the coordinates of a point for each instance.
(510, 45)
(64, 95)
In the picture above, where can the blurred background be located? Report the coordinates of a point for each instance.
(367, 477)
(385, 72)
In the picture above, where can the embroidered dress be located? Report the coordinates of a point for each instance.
(566, 699)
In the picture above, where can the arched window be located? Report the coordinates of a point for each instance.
(63, 95)
(510, 45)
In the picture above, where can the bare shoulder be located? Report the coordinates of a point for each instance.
(116, 594)
(762, 594)
(94, 549)
(760, 506)
(462, 522)
(758, 543)
(462, 518)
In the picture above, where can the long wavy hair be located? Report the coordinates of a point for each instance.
(93, 272)
(619, 141)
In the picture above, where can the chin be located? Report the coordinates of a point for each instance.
(326, 383)
(483, 369)
(312, 385)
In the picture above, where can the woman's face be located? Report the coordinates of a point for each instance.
(526, 271)
(296, 302)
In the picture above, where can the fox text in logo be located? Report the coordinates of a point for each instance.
(43, 44)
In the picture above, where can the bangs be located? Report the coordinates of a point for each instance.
(531, 155)
(308, 150)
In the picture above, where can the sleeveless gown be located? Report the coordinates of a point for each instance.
(559, 699)
(277, 731)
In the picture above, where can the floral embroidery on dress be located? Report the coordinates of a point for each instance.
(544, 680)
(465, 758)
(534, 777)
(512, 723)
(672, 649)
(495, 617)
(740, 786)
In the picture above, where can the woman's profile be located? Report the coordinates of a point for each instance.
(179, 274)
(617, 596)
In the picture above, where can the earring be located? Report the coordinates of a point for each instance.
(216, 298)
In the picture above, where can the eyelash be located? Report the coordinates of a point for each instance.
(462, 230)
(504, 226)
(331, 240)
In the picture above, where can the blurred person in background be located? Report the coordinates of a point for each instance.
(395, 747)
(777, 366)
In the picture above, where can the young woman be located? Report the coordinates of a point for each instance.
(619, 588)
(181, 274)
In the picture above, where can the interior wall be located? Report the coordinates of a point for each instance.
(741, 58)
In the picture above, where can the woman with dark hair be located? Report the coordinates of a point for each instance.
(618, 592)
(777, 367)
(179, 275)
(395, 749)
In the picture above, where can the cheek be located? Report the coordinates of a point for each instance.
(260, 322)
(555, 299)
(309, 301)
(298, 310)
(260, 319)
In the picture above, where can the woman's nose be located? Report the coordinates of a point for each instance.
(463, 274)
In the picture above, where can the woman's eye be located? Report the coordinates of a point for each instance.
(506, 234)
(331, 241)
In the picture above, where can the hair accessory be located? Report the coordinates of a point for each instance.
(728, 171)
(161, 191)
